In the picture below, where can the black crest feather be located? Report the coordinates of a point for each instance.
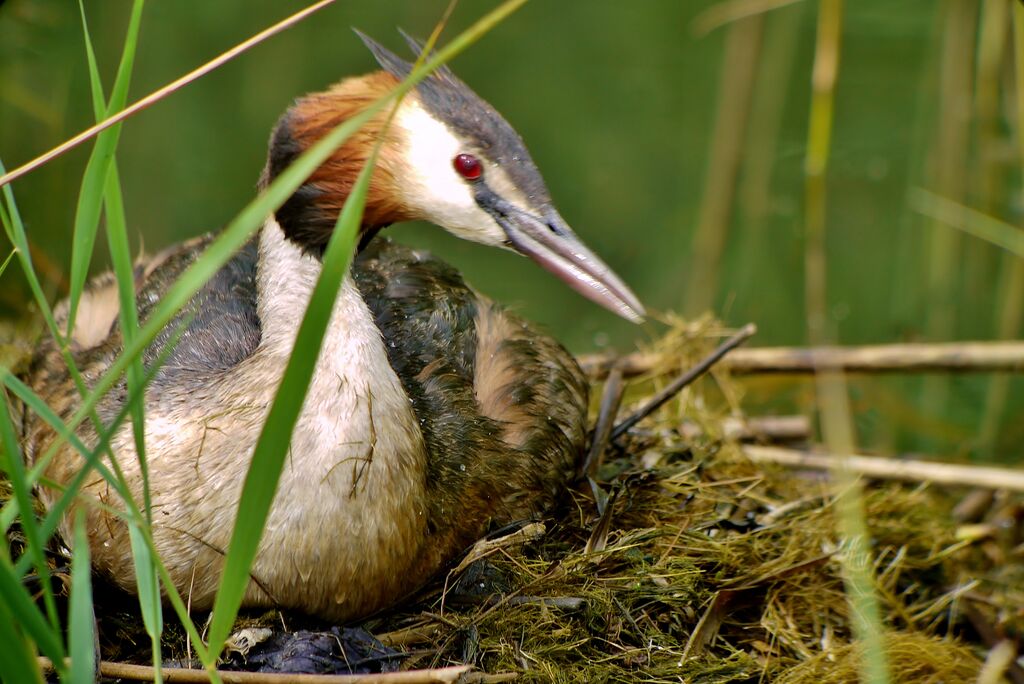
(388, 60)
(395, 65)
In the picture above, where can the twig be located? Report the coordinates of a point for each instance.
(443, 675)
(983, 625)
(598, 540)
(952, 357)
(410, 636)
(611, 399)
(570, 604)
(158, 95)
(685, 379)
(891, 469)
(486, 547)
(762, 428)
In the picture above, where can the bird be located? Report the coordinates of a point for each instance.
(434, 414)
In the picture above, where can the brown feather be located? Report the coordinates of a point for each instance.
(309, 216)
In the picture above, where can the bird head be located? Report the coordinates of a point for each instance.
(447, 157)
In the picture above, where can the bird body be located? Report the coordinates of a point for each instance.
(432, 413)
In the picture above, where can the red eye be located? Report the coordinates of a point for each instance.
(468, 166)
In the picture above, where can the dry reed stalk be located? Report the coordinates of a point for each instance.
(948, 162)
(461, 674)
(831, 395)
(1010, 293)
(950, 357)
(761, 428)
(736, 87)
(761, 152)
(891, 469)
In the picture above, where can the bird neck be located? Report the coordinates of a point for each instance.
(285, 277)
(356, 448)
(309, 215)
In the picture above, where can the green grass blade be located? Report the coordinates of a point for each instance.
(971, 221)
(148, 585)
(91, 457)
(117, 238)
(87, 219)
(18, 657)
(81, 618)
(272, 446)
(217, 254)
(119, 94)
(57, 509)
(12, 464)
(98, 100)
(15, 598)
(90, 196)
(14, 227)
(7, 261)
(146, 576)
(120, 255)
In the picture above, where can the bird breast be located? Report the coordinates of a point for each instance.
(352, 484)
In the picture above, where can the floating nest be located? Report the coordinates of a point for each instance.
(680, 560)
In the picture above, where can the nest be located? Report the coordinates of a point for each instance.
(681, 560)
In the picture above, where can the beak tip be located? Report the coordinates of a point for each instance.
(635, 314)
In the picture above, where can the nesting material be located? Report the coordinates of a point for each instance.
(700, 565)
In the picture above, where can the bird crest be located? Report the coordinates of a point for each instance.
(398, 67)
(453, 102)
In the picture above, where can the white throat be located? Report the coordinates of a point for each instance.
(353, 362)
(357, 438)
(285, 280)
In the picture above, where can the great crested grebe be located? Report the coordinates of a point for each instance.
(432, 414)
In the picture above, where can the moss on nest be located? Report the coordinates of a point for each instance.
(710, 569)
(678, 555)
(913, 657)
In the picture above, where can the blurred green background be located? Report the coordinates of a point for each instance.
(671, 133)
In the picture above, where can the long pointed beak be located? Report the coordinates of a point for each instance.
(551, 243)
